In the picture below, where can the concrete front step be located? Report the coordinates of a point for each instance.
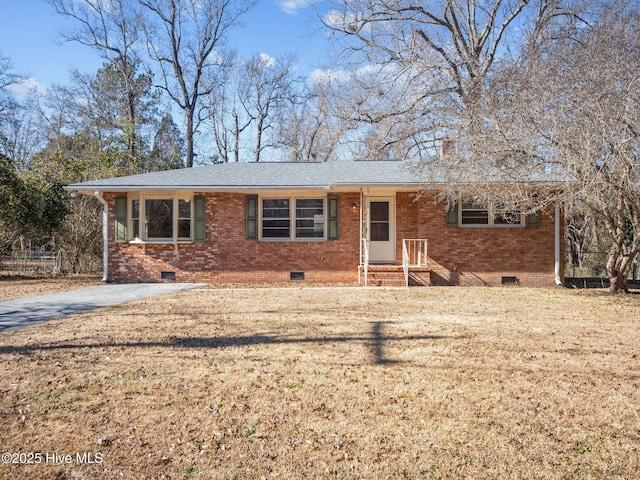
(393, 276)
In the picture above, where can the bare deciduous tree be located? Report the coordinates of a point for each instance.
(224, 109)
(436, 56)
(11, 112)
(270, 86)
(7, 78)
(185, 39)
(308, 132)
(571, 106)
(598, 129)
(20, 129)
(111, 27)
(250, 103)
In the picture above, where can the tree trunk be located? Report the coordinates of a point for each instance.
(131, 133)
(619, 283)
(189, 136)
(618, 269)
(259, 140)
(236, 137)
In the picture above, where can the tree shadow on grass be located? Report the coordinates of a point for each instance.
(18, 316)
(376, 340)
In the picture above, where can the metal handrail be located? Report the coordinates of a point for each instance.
(405, 263)
(364, 245)
(414, 254)
(365, 251)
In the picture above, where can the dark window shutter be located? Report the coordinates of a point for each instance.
(333, 216)
(533, 220)
(199, 230)
(452, 215)
(252, 217)
(121, 219)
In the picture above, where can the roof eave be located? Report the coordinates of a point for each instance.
(89, 190)
(92, 189)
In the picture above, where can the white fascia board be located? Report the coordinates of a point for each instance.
(199, 188)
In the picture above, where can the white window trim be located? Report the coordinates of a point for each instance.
(292, 218)
(491, 224)
(175, 197)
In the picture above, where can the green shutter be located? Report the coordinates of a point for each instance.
(334, 215)
(121, 219)
(452, 215)
(252, 217)
(199, 231)
(533, 220)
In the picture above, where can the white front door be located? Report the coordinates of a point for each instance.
(382, 229)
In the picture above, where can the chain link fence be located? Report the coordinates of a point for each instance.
(586, 265)
(30, 262)
(589, 270)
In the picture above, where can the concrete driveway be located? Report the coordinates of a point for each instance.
(27, 311)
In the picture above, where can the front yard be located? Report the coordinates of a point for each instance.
(329, 383)
(12, 287)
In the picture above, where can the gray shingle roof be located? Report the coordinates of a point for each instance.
(257, 176)
(231, 176)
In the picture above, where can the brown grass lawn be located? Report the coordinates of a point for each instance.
(16, 287)
(346, 383)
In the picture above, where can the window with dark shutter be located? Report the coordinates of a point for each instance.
(199, 230)
(533, 220)
(333, 217)
(452, 215)
(251, 217)
(121, 219)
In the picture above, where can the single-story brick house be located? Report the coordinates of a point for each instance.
(339, 222)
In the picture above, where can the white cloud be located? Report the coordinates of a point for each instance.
(25, 87)
(361, 77)
(348, 22)
(337, 19)
(267, 60)
(215, 58)
(106, 5)
(326, 75)
(292, 7)
(334, 18)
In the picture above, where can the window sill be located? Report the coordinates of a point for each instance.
(292, 240)
(494, 226)
(143, 243)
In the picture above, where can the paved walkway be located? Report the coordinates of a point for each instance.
(27, 311)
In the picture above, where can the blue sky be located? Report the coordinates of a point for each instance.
(29, 30)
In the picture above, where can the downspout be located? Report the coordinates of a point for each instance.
(558, 277)
(360, 262)
(105, 235)
(361, 232)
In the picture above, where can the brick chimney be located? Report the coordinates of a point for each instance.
(447, 146)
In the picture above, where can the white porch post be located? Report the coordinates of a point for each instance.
(361, 230)
(105, 235)
(558, 277)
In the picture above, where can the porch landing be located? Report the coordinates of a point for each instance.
(393, 276)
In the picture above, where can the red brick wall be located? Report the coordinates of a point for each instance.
(227, 256)
(482, 256)
(465, 256)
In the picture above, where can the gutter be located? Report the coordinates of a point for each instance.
(105, 235)
(558, 277)
(343, 186)
(89, 189)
